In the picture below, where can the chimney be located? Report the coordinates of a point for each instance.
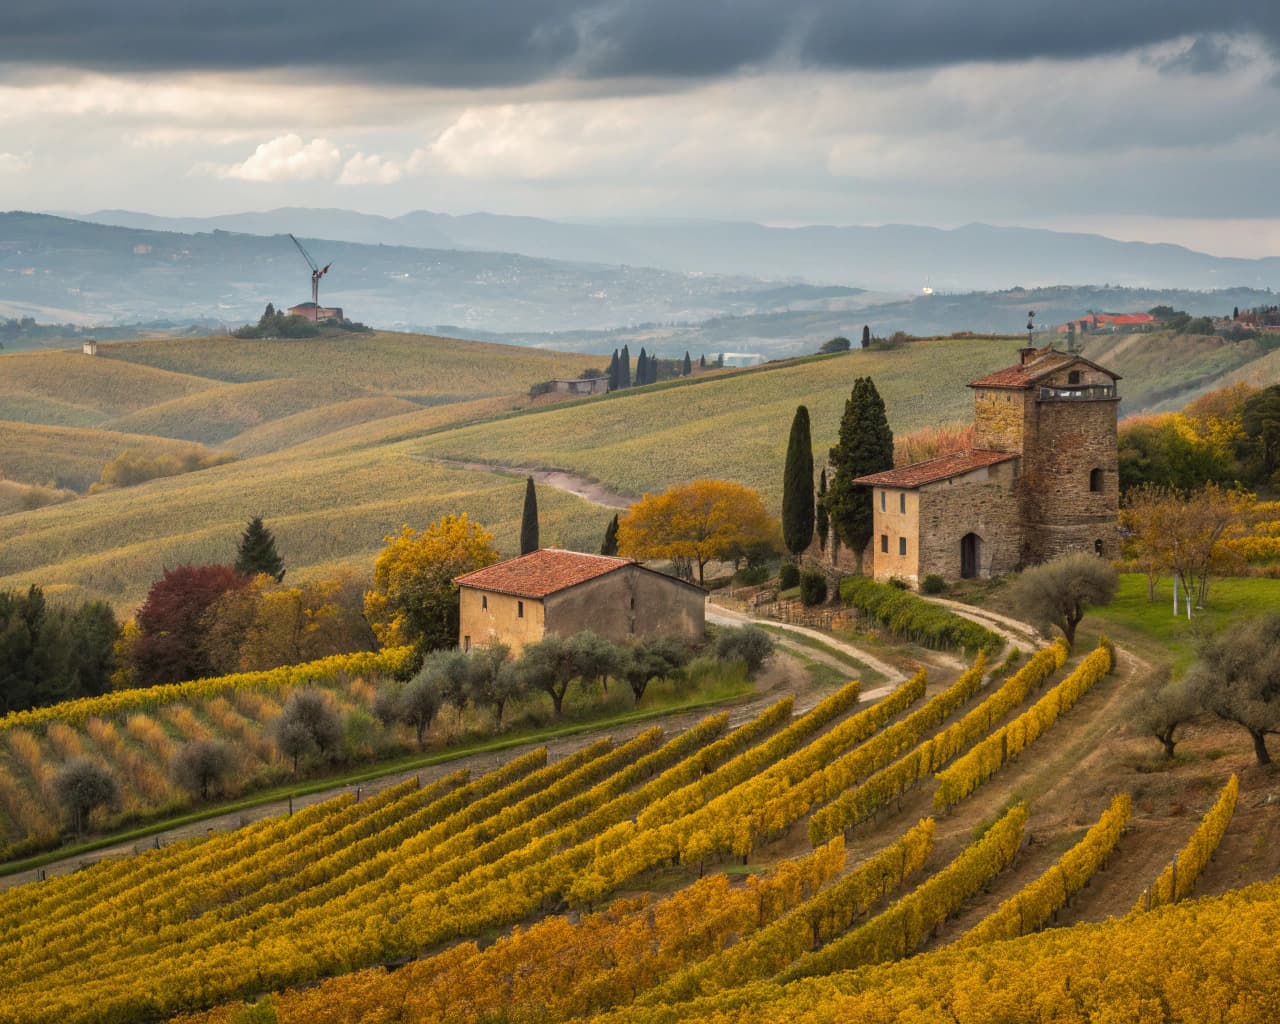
(1025, 355)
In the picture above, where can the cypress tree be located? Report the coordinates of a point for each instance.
(613, 371)
(865, 446)
(529, 521)
(823, 522)
(702, 361)
(866, 335)
(688, 366)
(610, 545)
(653, 369)
(624, 368)
(797, 486)
(257, 552)
(642, 368)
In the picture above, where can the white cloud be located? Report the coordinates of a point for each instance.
(288, 158)
(12, 163)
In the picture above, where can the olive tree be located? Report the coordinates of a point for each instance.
(200, 764)
(1058, 593)
(82, 785)
(308, 722)
(1165, 709)
(1238, 679)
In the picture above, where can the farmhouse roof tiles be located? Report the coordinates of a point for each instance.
(541, 572)
(933, 470)
(1039, 365)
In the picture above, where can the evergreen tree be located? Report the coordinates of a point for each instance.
(687, 368)
(642, 369)
(822, 520)
(866, 335)
(529, 521)
(1235, 313)
(797, 486)
(610, 545)
(267, 320)
(653, 369)
(624, 368)
(702, 361)
(865, 446)
(257, 552)
(613, 371)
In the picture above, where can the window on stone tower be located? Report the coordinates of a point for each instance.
(882, 501)
(884, 543)
(902, 545)
(902, 503)
(1095, 480)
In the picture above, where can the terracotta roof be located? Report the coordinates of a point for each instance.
(1042, 363)
(541, 572)
(932, 470)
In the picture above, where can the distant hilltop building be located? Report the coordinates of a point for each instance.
(1042, 480)
(310, 311)
(89, 347)
(1106, 322)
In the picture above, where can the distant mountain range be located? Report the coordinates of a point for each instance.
(60, 270)
(894, 257)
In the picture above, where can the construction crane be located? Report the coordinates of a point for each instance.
(316, 273)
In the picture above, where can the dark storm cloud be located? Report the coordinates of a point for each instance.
(471, 43)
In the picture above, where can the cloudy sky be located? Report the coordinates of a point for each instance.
(1146, 119)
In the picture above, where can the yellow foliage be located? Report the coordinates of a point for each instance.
(698, 521)
(1193, 858)
(413, 576)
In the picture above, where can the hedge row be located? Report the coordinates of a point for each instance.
(915, 619)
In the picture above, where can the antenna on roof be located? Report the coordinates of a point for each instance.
(1031, 326)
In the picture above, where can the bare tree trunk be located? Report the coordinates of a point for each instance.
(1260, 746)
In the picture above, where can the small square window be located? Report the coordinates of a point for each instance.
(884, 543)
(519, 609)
(902, 545)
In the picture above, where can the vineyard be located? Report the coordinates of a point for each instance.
(764, 913)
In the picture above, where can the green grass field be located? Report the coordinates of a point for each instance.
(1152, 625)
(732, 427)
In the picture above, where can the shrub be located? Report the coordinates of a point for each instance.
(898, 583)
(750, 645)
(81, 785)
(933, 584)
(914, 618)
(200, 764)
(813, 587)
(788, 576)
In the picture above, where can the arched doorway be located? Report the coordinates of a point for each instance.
(970, 550)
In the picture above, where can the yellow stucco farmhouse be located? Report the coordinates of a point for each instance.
(518, 601)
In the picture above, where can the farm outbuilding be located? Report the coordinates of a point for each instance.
(519, 601)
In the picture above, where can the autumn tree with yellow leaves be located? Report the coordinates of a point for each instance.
(698, 521)
(414, 599)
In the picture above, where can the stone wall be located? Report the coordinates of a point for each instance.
(1000, 418)
(982, 503)
(629, 602)
(1070, 438)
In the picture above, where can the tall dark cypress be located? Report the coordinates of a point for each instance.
(624, 368)
(687, 368)
(613, 371)
(797, 486)
(865, 446)
(866, 335)
(702, 361)
(529, 521)
(610, 545)
(653, 369)
(642, 368)
(822, 520)
(257, 552)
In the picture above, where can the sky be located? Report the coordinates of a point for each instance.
(1153, 120)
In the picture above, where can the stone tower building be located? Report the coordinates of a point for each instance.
(1041, 481)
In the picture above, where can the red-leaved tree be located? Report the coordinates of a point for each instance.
(169, 646)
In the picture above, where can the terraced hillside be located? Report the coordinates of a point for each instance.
(342, 447)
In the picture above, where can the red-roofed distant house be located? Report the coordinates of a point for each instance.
(1106, 321)
(1041, 481)
(519, 601)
